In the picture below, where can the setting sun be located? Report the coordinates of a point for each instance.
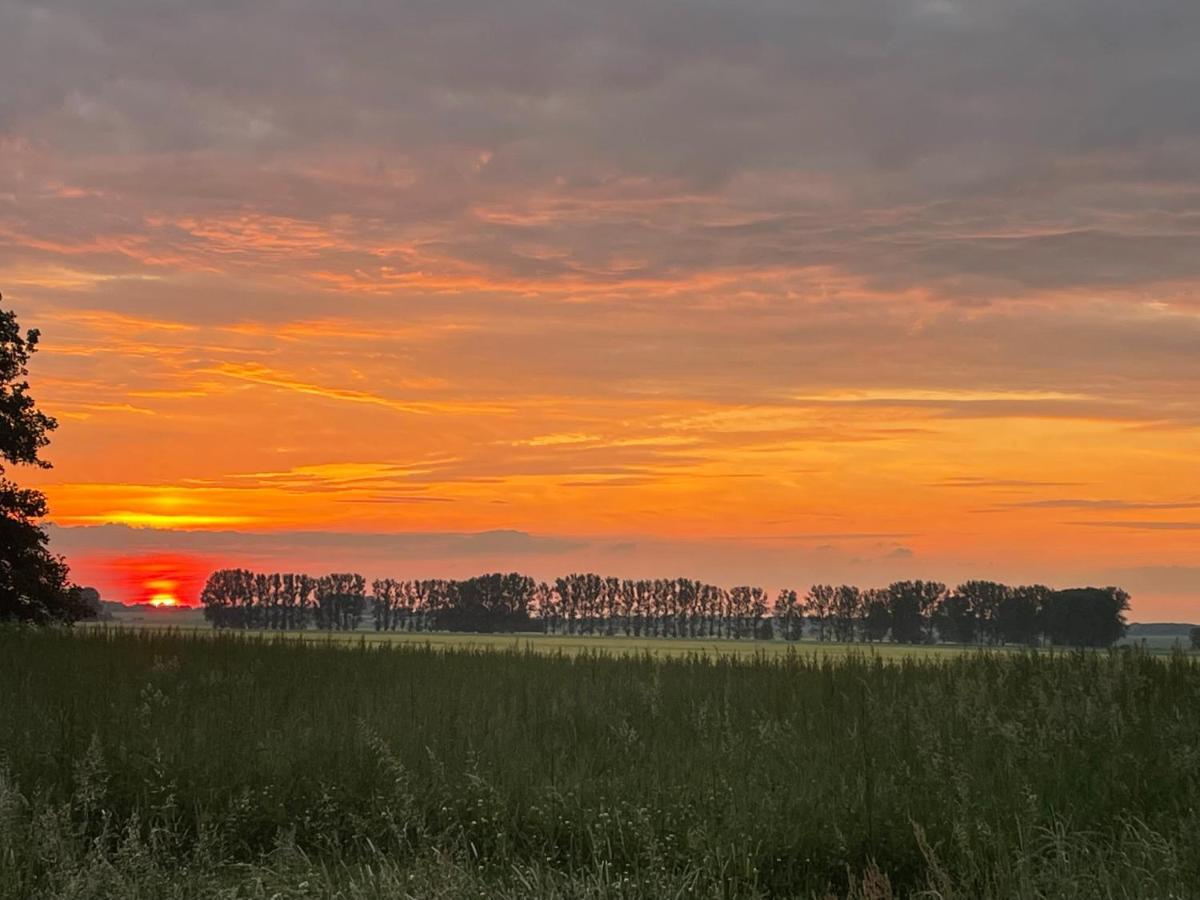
(150, 577)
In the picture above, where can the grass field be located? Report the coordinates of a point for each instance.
(157, 764)
(569, 645)
(616, 645)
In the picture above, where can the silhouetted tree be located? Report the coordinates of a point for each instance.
(34, 585)
(876, 615)
(760, 622)
(743, 601)
(911, 604)
(985, 598)
(818, 603)
(387, 604)
(297, 591)
(340, 600)
(1085, 617)
(612, 605)
(1018, 620)
(488, 603)
(90, 597)
(580, 596)
(227, 597)
(971, 613)
(789, 616)
(845, 611)
(956, 619)
(1194, 634)
(627, 607)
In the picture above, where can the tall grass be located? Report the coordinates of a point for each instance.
(158, 764)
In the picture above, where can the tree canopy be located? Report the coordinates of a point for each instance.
(34, 584)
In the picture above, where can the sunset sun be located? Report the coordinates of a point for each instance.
(162, 587)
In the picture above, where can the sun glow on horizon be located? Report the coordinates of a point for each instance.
(158, 579)
(162, 589)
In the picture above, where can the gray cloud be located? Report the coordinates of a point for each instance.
(400, 546)
(1170, 580)
(984, 149)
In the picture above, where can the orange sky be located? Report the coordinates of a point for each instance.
(549, 291)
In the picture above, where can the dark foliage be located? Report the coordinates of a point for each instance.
(34, 585)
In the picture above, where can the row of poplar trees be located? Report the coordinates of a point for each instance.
(909, 612)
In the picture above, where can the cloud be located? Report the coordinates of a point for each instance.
(1069, 503)
(974, 482)
(827, 536)
(398, 546)
(1132, 525)
(643, 140)
(1175, 580)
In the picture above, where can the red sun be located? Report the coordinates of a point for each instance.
(158, 579)
(165, 595)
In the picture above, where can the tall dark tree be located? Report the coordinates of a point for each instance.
(1018, 621)
(957, 619)
(34, 584)
(876, 615)
(1085, 617)
(846, 611)
(819, 604)
(789, 615)
(228, 598)
(1194, 634)
(912, 604)
(339, 601)
(971, 613)
(494, 602)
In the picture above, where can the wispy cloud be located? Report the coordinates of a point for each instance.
(978, 482)
(1067, 503)
(1132, 525)
(271, 378)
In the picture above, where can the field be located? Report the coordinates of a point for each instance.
(185, 619)
(569, 645)
(172, 764)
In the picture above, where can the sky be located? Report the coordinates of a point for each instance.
(755, 291)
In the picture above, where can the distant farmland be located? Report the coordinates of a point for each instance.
(148, 763)
(189, 622)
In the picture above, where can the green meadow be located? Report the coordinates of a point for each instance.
(158, 763)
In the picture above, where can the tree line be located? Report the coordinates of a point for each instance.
(907, 612)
